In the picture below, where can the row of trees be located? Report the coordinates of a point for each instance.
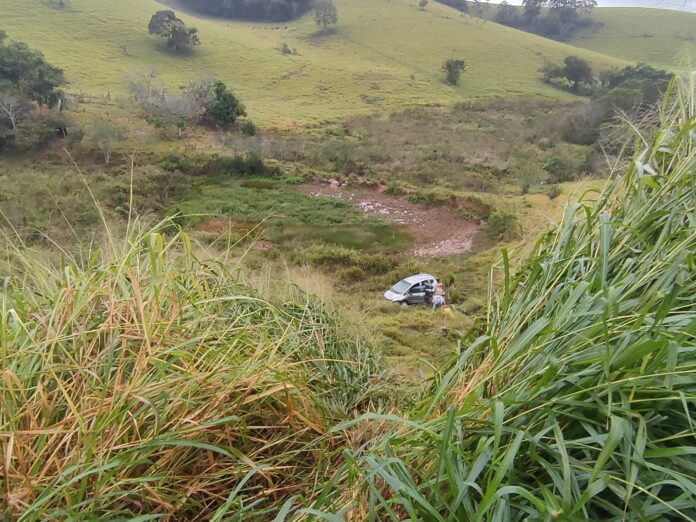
(560, 19)
(631, 90)
(257, 10)
(576, 72)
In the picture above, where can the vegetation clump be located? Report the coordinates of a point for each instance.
(224, 108)
(29, 88)
(325, 13)
(453, 70)
(142, 381)
(167, 25)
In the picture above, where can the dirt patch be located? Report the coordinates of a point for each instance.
(436, 231)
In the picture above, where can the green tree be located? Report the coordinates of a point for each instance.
(225, 108)
(453, 70)
(26, 72)
(325, 13)
(165, 24)
(577, 71)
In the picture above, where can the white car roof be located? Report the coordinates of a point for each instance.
(418, 278)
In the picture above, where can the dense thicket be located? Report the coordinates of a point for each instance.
(260, 10)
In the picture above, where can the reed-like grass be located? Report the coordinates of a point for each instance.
(576, 400)
(143, 383)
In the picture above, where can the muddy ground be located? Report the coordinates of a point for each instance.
(436, 231)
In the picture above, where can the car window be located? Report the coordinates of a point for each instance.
(417, 288)
(401, 287)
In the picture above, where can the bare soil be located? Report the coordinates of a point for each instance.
(436, 231)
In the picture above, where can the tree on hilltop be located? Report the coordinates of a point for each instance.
(165, 24)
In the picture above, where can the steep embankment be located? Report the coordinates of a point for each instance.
(382, 55)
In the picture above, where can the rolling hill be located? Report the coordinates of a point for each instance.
(659, 37)
(383, 55)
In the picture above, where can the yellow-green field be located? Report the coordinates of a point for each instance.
(382, 56)
(659, 37)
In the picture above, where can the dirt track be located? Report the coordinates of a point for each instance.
(437, 231)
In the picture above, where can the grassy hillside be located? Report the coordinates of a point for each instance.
(376, 60)
(656, 36)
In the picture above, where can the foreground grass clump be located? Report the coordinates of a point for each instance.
(143, 381)
(576, 400)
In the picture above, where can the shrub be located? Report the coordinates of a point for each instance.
(225, 108)
(240, 166)
(248, 128)
(322, 255)
(554, 191)
(284, 48)
(453, 70)
(353, 274)
(566, 162)
(170, 163)
(501, 224)
(75, 137)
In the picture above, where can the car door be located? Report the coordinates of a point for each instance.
(416, 294)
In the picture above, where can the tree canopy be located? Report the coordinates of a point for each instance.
(325, 13)
(258, 10)
(453, 70)
(26, 79)
(577, 71)
(225, 108)
(165, 24)
(26, 72)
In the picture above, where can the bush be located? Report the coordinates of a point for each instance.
(284, 48)
(248, 128)
(353, 274)
(502, 224)
(170, 163)
(322, 255)
(567, 162)
(75, 137)
(240, 166)
(225, 108)
(554, 191)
